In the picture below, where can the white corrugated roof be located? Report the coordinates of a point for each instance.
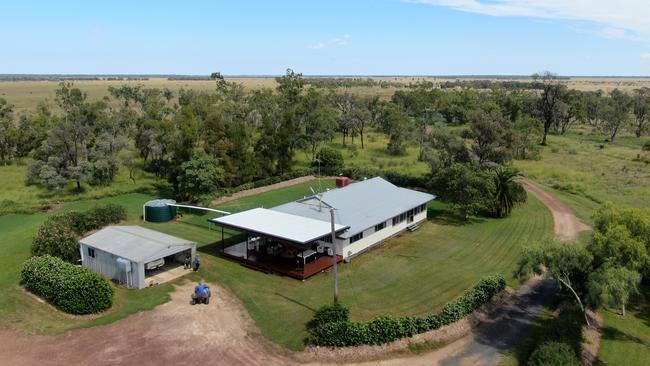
(360, 205)
(279, 224)
(136, 243)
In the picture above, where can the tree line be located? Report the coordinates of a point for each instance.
(203, 141)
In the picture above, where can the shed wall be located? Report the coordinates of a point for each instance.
(106, 264)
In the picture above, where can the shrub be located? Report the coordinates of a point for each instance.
(646, 146)
(56, 239)
(330, 314)
(58, 235)
(331, 161)
(70, 288)
(332, 328)
(553, 354)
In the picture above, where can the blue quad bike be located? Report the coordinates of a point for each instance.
(201, 294)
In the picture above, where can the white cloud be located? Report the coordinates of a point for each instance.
(339, 41)
(645, 56)
(613, 33)
(618, 19)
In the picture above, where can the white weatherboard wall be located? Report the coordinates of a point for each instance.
(370, 237)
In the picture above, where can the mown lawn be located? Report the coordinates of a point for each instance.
(413, 274)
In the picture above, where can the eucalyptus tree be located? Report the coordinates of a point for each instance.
(641, 110)
(549, 103)
(318, 117)
(9, 134)
(616, 113)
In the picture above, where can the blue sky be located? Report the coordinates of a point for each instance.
(334, 37)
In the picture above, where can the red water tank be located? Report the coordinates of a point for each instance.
(342, 181)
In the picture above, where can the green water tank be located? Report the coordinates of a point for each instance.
(159, 210)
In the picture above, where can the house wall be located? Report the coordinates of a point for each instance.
(371, 238)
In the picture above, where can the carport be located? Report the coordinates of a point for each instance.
(123, 252)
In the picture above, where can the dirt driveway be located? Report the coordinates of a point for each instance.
(223, 333)
(566, 225)
(175, 333)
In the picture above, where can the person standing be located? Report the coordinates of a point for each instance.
(197, 263)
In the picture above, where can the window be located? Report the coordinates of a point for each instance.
(356, 237)
(380, 226)
(91, 252)
(327, 239)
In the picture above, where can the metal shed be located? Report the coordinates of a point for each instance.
(122, 252)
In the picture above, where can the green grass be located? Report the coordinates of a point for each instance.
(16, 197)
(626, 340)
(413, 274)
(374, 154)
(584, 176)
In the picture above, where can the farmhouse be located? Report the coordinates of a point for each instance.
(295, 238)
(135, 256)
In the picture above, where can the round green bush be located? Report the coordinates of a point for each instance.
(553, 354)
(58, 235)
(331, 161)
(57, 239)
(73, 289)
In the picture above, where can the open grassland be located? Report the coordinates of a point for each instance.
(413, 274)
(584, 172)
(373, 155)
(16, 196)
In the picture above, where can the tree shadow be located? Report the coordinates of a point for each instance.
(616, 335)
(157, 189)
(451, 219)
(296, 302)
(215, 248)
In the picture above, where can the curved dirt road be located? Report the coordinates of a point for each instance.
(566, 225)
(223, 333)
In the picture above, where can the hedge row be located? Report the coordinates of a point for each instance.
(72, 289)
(58, 235)
(384, 328)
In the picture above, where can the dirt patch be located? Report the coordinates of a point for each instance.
(254, 191)
(566, 225)
(592, 335)
(172, 333)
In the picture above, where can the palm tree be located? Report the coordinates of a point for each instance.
(508, 190)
